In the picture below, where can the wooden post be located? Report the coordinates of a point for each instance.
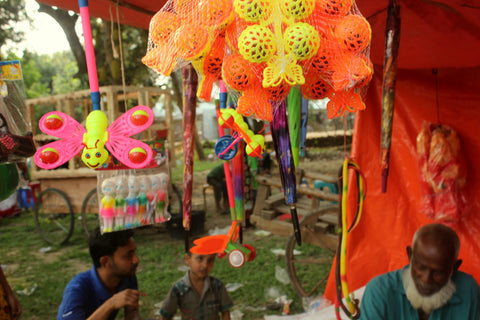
(171, 129)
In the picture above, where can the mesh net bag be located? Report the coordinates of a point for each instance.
(261, 48)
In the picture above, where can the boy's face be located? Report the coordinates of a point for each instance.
(200, 265)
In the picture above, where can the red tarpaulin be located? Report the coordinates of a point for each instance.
(435, 34)
(389, 220)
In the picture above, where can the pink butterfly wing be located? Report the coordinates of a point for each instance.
(63, 126)
(121, 147)
(67, 127)
(125, 126)
(131, 122)
(66, 150)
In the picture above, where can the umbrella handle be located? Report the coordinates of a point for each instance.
(296, 225)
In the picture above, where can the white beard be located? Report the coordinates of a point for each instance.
(426, 303)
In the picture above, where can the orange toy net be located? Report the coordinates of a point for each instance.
(264, 47)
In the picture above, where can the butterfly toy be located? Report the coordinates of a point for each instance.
(96, 139)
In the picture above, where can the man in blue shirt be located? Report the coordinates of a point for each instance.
(110, 285)
(430, 287)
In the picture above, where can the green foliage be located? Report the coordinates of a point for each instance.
(11, 11)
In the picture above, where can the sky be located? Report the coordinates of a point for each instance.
(44, 36)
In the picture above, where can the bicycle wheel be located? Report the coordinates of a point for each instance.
(308, 265)
(90, 212)
(54, 216)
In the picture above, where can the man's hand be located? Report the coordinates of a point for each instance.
(126, 298)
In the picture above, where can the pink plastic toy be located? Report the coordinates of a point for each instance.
(95, 138)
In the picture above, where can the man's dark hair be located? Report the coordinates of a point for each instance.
(106, 244)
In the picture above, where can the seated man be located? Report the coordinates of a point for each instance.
(110, 285)
(216, 178)
(430, 287)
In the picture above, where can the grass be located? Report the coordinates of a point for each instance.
(161, 257)
(27, 268)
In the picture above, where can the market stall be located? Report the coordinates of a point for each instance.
(437, 81)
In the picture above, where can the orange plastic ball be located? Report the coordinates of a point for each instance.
(162, 26)
(237, 72)
(353, 32)
(333, 8)
(315, 87)
(279, 92)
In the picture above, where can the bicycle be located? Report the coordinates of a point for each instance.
(315, 255)
(54, 216)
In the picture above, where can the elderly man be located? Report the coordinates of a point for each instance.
(430, 287)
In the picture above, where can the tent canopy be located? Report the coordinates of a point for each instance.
(434, 33)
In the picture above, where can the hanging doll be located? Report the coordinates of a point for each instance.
(120, 202)
(144, 185)
(107, 204)
(131, 200)
(152, 198)
(161, 213)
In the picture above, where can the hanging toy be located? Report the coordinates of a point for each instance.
(96, 140)
(132, 201)
(107, 204)
(120, 202)
(224, 245)
(225, 148)
(162, 213)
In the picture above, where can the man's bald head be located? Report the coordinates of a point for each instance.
(440, 236)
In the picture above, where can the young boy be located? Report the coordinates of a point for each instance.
(198, 295)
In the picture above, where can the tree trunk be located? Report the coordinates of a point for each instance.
(67, 22)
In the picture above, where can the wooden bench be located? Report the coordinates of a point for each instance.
(271, 213)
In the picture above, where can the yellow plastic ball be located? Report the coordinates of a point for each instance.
(252, 10)
(297, 9)
(302, 40)
(256, 44)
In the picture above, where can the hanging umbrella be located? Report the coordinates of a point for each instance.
(294, 121)
(190, 83)
(392, 41)
(283, 150)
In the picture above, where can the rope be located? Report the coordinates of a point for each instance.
(115, 51)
